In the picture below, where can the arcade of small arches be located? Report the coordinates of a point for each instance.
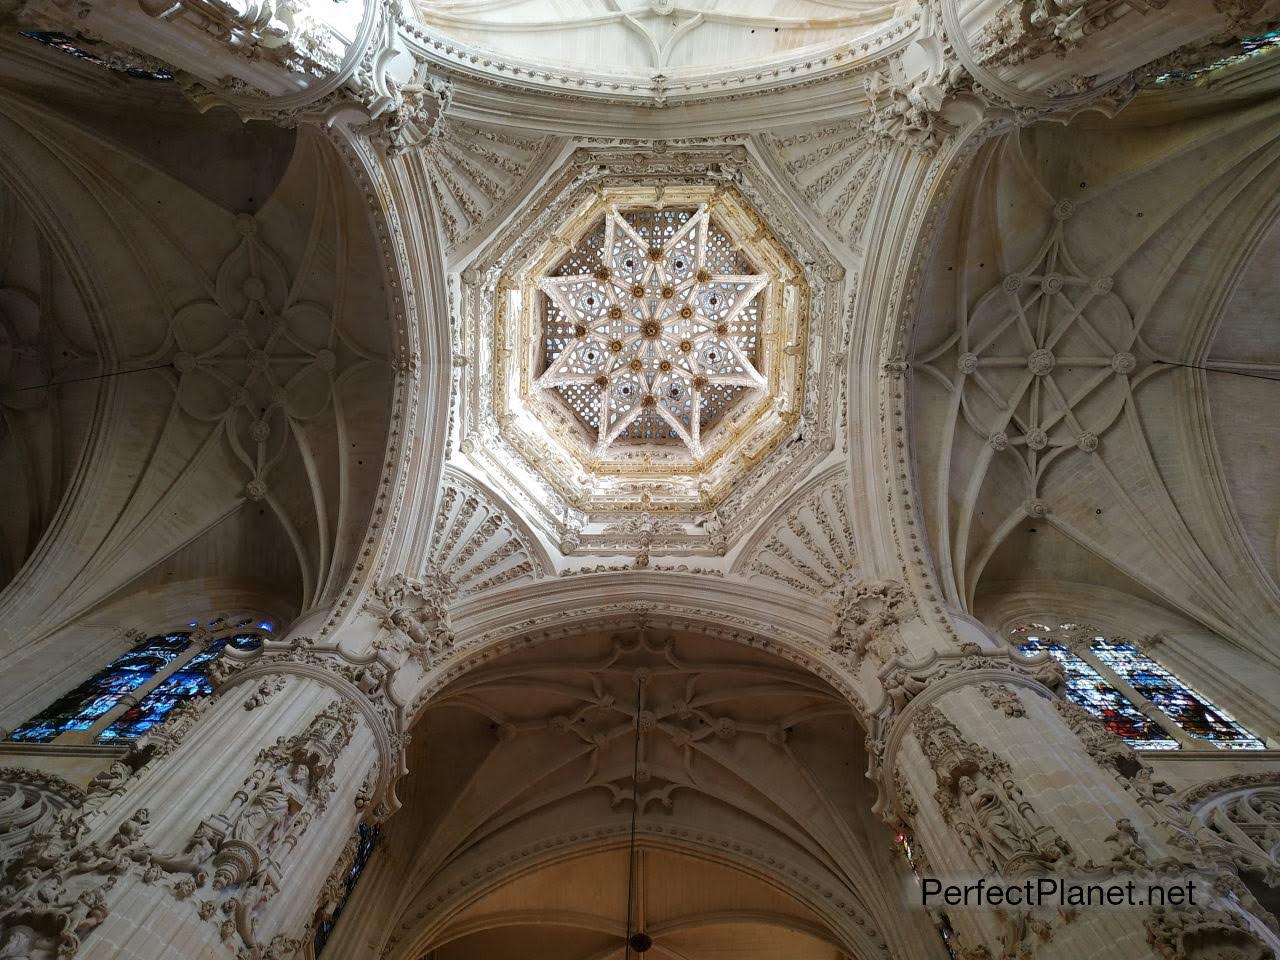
(591, 482)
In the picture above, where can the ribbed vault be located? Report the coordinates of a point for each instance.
(746, 768)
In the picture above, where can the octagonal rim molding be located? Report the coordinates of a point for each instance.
(527, 469)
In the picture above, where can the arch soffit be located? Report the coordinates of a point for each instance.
(550, 609)
(808, 891)
(405, 225)
(1104, 607)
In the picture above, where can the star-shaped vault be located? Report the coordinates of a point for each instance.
(660, 331)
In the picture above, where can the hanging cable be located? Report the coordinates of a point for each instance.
(635, 806)
(100, 376)
(1238, 373)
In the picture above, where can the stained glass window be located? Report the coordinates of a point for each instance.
(366, 839)
(1095, 671)
(188, 682)
(136, 65)
(1192, 712)
(80, 708)
(162, 672)
(1088, 688)
(652, 328)
(1248, 47)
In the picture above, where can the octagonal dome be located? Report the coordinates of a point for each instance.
(639, 346)
(650, 335)
(653, 330)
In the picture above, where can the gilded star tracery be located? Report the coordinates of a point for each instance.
(655, 336)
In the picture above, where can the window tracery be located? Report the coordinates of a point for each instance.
(652, 327)
(141, 687)
(1141, 701)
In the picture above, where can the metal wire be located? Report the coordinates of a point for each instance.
(635, 806)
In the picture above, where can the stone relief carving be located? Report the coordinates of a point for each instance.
(55, 892)
(289, 785)
(867, 617)
(837, 170)
(415, 614)
(264, 691)
(980, 800)
(415, 111)
(910, 113)
(1247, 820)
(904, 682)
(478, 544)
(811, 546)
(29, 802)
(1204, 934)
(1023, 30)
(1003, 698)
(277, 31)
(473, 171)
(235, 854)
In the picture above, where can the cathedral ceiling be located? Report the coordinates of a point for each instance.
(1058, 430)
(625, 489)
(693, 908)
(221, 321)
(636, 39)
(743, 759)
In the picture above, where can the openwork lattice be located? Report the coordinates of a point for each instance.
(652, 327)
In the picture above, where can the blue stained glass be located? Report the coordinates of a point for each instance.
(366, 839)
(1088, 688)
(80, 708)
(186, 683)
(1188, 709)
(244, 641)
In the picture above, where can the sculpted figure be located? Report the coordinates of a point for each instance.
(995, 823)
(273, 807)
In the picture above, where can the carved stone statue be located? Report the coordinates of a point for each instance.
(980, 799)
(288, 786)
(267, 815)
(994, 822)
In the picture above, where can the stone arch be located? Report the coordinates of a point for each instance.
(503, 727)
